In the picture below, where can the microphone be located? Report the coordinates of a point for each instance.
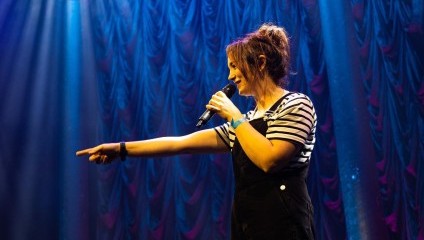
(229, 90)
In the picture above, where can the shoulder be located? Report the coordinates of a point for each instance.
(295, 98)
(294, 101)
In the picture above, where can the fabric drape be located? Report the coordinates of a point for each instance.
(74, 74)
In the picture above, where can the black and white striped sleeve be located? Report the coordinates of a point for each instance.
(293, 121)
(223, 132)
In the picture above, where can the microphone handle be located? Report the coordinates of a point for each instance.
(204, 118)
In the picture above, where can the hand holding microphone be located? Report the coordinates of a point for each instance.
(219, 104)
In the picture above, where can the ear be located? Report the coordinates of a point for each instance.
(262, 62)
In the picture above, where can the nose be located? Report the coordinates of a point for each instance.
(231, 76)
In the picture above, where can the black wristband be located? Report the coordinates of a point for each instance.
(122, 151)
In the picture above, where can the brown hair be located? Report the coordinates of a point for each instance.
(268, 40)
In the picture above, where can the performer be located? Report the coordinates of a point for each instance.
(271, 145)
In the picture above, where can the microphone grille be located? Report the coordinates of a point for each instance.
(229, 90)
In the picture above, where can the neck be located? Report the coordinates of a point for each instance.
(265, 100)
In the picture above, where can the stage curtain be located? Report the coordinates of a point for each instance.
(74, 74)
(390, 34)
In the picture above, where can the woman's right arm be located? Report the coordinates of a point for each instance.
(204, 141)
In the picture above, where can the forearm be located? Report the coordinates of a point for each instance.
(255, 145)
(163, 146)
(205, 141)
(261, 151)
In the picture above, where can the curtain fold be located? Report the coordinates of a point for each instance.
(392, 69)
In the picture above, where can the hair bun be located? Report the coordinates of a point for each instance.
(276, 34)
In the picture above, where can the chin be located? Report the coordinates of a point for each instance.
(243, 92)
(240, 91)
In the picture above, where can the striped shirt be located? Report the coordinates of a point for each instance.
(293, 120)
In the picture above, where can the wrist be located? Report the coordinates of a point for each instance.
(123, 151)
(236, 123)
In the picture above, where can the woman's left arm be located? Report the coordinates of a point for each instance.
(268, 155)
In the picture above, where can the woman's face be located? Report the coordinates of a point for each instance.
(244, 87)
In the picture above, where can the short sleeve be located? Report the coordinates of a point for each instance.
(293, 121)
(224, 133)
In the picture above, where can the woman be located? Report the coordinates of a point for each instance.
(271, 145)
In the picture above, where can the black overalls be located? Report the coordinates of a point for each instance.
(269, 205)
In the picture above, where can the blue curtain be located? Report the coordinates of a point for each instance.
(74, 74)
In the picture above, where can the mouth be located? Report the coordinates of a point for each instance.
(237, 82)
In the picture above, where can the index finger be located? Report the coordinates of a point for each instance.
(83, 152)
(220, 93)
